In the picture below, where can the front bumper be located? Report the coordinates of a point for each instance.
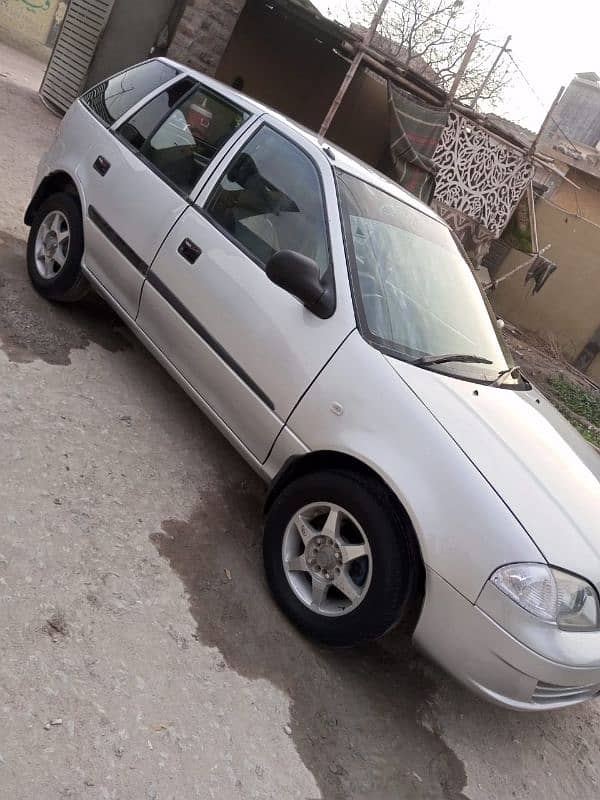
(503, 666)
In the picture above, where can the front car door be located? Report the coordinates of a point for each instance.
(140, 173)
(249, 348)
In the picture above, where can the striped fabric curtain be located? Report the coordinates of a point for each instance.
(416, 129)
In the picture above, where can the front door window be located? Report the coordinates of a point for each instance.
(271, 199)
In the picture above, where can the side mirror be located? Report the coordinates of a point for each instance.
(299, 275)
(501, 323)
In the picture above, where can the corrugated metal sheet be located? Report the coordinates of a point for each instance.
(74, 50)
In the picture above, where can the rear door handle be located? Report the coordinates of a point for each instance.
(189, 250)
(101, 165)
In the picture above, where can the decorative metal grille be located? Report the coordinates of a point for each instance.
(478, 175)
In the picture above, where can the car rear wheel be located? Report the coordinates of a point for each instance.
(340, 559)
(55, 249)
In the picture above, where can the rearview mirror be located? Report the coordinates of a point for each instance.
(299, 275)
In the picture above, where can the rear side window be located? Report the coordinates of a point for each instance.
(116, 96)
(139, 127)
(191, 136)
(271, 199)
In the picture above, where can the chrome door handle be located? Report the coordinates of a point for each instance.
(189, 250)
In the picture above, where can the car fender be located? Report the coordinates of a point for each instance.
(360, 407)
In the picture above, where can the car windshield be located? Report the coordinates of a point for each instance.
(415, 294)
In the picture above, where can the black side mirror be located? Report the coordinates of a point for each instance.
(299, 275)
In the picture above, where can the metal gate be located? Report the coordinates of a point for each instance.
(74, 51)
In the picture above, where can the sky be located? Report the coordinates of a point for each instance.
(551, 42)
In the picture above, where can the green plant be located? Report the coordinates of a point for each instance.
(582, 402)
(581, 407)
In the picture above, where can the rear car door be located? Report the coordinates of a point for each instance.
(140, 172)
(249, 348)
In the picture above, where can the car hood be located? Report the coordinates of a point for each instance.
(540, 466)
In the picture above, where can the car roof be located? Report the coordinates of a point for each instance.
(339, 157)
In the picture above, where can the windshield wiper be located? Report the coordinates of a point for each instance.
(512, 372)
(427, 361)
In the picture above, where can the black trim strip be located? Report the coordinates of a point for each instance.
(191, 320)
(116, 240)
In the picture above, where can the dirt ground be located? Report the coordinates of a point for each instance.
(543, 364)
(141, 655)
(540, 359)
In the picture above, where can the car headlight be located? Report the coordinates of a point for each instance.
(550, 594)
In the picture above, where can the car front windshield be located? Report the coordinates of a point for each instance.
(415, 294)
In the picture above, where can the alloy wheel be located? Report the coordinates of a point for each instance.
(52, 244)
(327, 559)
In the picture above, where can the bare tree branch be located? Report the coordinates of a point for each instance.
(431, 36)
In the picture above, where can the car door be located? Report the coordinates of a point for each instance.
(139, 174)
(249, 348)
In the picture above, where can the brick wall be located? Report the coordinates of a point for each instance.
(204, 32)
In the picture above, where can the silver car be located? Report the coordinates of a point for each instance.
(330, 327)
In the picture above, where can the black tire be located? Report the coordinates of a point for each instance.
(394, 596)
(70, 284)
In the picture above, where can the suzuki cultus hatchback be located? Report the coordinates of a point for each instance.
(328, 324)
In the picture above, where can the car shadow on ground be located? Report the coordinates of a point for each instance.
(31, 328)
(356, 713)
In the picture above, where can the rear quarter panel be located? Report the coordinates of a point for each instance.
(78, 134)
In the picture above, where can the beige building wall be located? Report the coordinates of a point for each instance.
(584, 201)
(29, 19)
(568, 306)
(594, 371)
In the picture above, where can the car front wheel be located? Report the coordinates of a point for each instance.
(340, 559)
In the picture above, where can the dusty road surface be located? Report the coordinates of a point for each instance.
(141, 657)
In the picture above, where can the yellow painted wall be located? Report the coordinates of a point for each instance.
(568, 306)
(30, 19)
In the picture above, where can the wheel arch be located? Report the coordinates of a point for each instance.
(53, 183)
(301, 465)
(297, 466)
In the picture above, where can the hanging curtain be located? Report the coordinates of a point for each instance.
(415, 130)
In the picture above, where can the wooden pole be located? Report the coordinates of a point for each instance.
(463, 67)
(546, 120)
(491, 72)
(514, 271)
(369, 35)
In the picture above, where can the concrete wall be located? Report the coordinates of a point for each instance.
(568, 307)
(577, 114)
(204, 32)
(29, 19)
(285, 67)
